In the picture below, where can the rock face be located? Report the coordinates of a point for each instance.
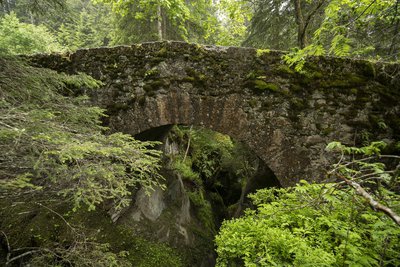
(287, 118)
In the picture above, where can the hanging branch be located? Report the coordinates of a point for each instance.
(8, 246)
(371, 201)
(188, 145)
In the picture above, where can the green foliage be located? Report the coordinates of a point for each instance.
(233, 16)
(372, 149)
(184, 168)
(203, 209)
(60, 238)
(340, 28)
(261, 52)
(88, 26)
(309, 225)
(211, 153)
(356, 27)
(175, 19)
(297, 57)
(22, 38)
(145, 253)
(364, 169)
(207, 151)
(33, 6)
(202, 21)
(54, 139)
(55, 151)
(213, 164)
(329, 224)
(275, 23)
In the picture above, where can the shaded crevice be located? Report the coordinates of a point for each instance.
(155, 134)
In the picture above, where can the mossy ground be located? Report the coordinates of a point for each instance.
(31, 224)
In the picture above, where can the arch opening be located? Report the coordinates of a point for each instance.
(214, 162)
(208, 177)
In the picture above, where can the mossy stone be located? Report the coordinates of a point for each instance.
(284, 70)
(265, 86)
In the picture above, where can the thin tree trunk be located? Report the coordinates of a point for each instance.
(303, 22)
(159, 23)
(396, 31)
(6, 6)
(32, 19)
(301, 27)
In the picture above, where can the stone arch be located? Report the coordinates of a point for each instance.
(224, 114)
(286, 117)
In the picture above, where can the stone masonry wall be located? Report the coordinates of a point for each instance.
(286, 117)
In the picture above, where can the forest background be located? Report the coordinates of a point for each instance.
(364, 28)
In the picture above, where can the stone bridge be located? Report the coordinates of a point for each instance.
(286, 117)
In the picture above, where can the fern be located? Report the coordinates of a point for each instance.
(340, 46)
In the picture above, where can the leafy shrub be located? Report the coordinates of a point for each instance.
(56, 141)
(22, 38)
(55, 152)
(309, 225)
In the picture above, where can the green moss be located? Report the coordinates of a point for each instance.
(141, 100)
(199, 52)
(354, 91)
(115, 107)
(285, 70)
(28, 224)
(317, 74)
(251, 75)
(154, 85)
(262, 52)
(145, 253)
(297, 104)
(296, 88)
(351, 114)
(152, 73)
(355, 79)
(191, 72)
(362, 100)
(350, 80)
(203, 210)
(368, 69)
(326, 131)
(156, 59)
(185, 169)
(253, 103)
(201, 77)
(195, 77)
(197, 57)
(189, 79)
(265, 86)
(304, 80)
(163, 52)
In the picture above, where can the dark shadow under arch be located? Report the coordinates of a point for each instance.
(233, 193)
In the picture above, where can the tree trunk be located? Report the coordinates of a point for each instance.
(159, 23)
(301, 26)
(392, 48)
(6, 6)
